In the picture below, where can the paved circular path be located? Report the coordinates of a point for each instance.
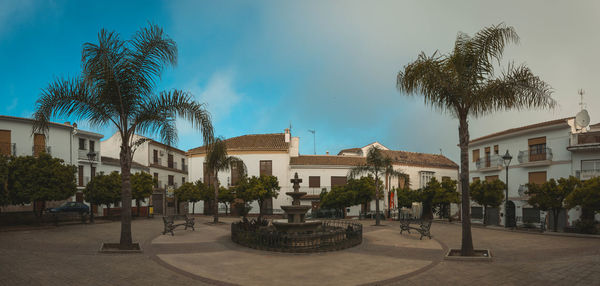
(68, 255)
(208, 254)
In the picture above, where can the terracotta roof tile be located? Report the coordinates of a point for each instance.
(327, 160)
(420, 159)
(254, 142)
(512, 130)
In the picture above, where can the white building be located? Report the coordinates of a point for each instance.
(277, 155)
(168, 166)
(541, 151)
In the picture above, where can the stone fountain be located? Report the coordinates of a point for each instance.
(296, 213)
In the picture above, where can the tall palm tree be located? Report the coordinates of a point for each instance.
(377, 165)
(216, 161)
(116, 88)
(463, 84)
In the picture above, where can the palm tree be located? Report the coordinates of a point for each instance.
(116, 88)
(463, 84)
(377, 165)
(216, 161)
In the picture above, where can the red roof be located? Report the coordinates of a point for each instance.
(253, 142)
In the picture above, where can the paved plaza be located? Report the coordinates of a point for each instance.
(67, 255)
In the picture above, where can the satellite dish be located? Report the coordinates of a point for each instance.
(582, 119)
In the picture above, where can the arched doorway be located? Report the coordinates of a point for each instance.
(510, 214)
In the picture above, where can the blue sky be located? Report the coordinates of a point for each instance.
(323, 65)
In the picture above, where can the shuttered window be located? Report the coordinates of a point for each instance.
(537, 149)
(537, 177)
(338, 181)
(5, 142)
(491, 178)
(314, 182)
(39, 144)
(487, 156)
(475, 155)
(266, 168)
(236, 169)
(496, 150)
(475, 179)
(80, 176)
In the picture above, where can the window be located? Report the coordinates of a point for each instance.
(182, 180)
(266, 168)
(590, 165)
(475, 179)
(314, 181)
(171, 180)
(236, 172)
(156, 180)
(170, 160)
(338, 181)
(92, 145)
(402, 182)
(183, 167)
(39, 144)
(81, 144)
(155, 156)
(80, 173)
(5, 142)
(491, 178)
(93, 172)
(537, 178)
(475, 155)
(425, 178)
(537, 149)
(487, 157)
(496, 150)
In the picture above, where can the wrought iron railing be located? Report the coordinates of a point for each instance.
(493, 161)
(334, 235)
(587, 174)
(522, 190)
(534, 155)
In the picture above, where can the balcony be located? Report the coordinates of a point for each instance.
(589, 141)
(184, 168)
(37, 149)
(587, 174)
(8, 149)
(533, 158)
(83, 155)
(490, 163)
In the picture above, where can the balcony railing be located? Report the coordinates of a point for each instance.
(588, 138)
(184, 168)
(83, 155)
(35, 150)
(587, 174)
(494, 161)
(545, 154)
(9, 149)
(157, 161)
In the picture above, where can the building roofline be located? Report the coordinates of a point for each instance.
(522, 128)
(202, 149)
(25, 119)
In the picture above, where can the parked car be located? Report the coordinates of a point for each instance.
(71, 207)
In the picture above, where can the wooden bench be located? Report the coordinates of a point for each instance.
(423, 228)
(170, 225)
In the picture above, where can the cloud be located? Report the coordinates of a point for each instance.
(14, 12)
(13, 104)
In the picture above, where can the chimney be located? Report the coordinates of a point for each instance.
(287, 135)
(326, 152)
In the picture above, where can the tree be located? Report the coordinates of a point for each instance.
(262, 189)
(587, 195)
(244, 192)
(364, 190)
(40, 179)
(189, 192)
(216, 161)
(405, 197)
(104, 190)
(487, 194)
(141, 188)
(226, 196)
(551, 195)
(116, 88)
(377, 165)
(4, 171)
(463, 83)
(446, 195)
(339, 198)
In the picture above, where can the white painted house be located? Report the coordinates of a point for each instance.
(277, 155)
(541, 151)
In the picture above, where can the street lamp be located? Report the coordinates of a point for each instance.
(91, 157)
(507, 157)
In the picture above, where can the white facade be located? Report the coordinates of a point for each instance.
(285, 163)
(540, 152)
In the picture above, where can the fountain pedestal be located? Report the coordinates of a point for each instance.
(296, 213)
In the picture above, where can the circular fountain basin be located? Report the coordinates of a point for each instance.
(300, 227)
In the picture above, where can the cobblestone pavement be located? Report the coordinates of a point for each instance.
(67, 255)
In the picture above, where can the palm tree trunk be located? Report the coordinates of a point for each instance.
(555, 213)
(193, 208)
(376, 199)
(463, 136)
(216, 205)
(126, 238)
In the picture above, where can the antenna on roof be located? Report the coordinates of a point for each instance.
(441, 152)
(290, 127)
(581, 92)
(314, 140)
(582, 119)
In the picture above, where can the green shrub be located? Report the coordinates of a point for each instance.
(586, 226)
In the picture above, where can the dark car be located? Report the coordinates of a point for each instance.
(74, 207)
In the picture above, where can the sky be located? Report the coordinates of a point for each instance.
(329, 66)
